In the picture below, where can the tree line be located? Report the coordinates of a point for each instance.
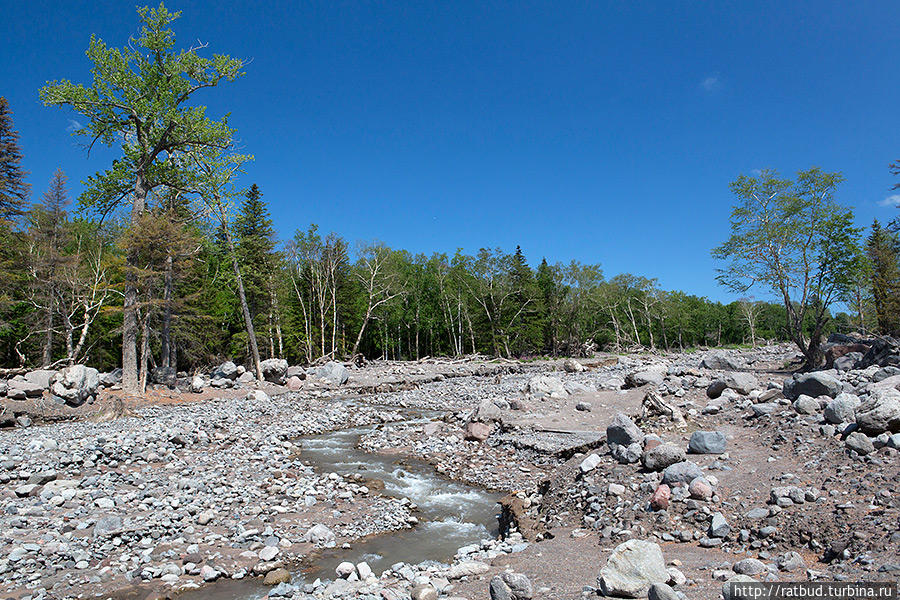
(167, 261)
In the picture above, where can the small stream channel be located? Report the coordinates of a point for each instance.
(451, 514)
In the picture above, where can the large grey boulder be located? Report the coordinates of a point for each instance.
(623, 432)
(661, 456)
(227, 370)
(707, 442)
(742, 383)
(682, 472)
(321, 536)
(274, 370)
(814, 384)
(632, 568)
(652, 375)
(41, 377)
(334, 373)
(570, 365)
(76, 384)
(112, 378)
(719, 361)
(848, 361)
(24, 388)
(842, 409)
(880, 413)
(546, 386)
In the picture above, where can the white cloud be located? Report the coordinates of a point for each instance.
(893, 200)
(711, 83)
(73, 126)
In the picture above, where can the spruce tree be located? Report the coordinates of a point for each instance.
(13, 189)
(255, 239)
(883, 249)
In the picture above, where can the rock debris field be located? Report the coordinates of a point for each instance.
(647, 475)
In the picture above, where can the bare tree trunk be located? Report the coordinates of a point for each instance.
(165, 334)
(245, 310)
(47, 355)
(130, 382)
(145, 351)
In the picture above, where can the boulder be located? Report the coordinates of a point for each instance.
(707, 442)
(818, 383)
(274, 370)
(880, 413)
(510, 586)
(804, 405)
(626, 455)
(41, 377)
(227, 370)
(477, 431)
(487, 412)
(25, 388)
(660, 498)
(718, 526)
(546, 386)
(652, 375)
(623, 432)
(166, 376)
(197, 384)
(715, 388)
(632, 568)
(848, 362)
(659, 457)
(662, 591)
(700, 489)
(277, 576)
(719, 361)
(570, 365)
(742, 383)
(7, 417)
(112, 378)
(860, 442)
(842, 409)
(334, 373)
(321, 536)
(76, 384)
(682, 472)
(883, 352)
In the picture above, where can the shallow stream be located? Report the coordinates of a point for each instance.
(451, 515)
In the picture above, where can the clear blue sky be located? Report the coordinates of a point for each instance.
(603, 132)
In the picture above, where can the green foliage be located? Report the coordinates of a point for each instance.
(883, 251)
(13, 188)
(138, 100)
(794, 240)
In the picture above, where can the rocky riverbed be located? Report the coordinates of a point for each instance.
(659, 475)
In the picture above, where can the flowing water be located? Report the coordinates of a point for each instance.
(451, 514)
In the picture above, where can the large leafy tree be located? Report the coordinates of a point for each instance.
(140, 99)
(793, 239)
(13, 188)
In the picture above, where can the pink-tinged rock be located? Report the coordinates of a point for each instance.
(294, 383)
(700, 489)
(478, 431)
(651, 443)
(660, 498)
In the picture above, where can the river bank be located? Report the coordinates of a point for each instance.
(181, 494)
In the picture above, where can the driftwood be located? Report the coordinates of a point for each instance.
(653, 404)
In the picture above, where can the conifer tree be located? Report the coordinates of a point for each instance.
(13, 188)
(883, 249)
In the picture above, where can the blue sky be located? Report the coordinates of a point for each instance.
(601, 131)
